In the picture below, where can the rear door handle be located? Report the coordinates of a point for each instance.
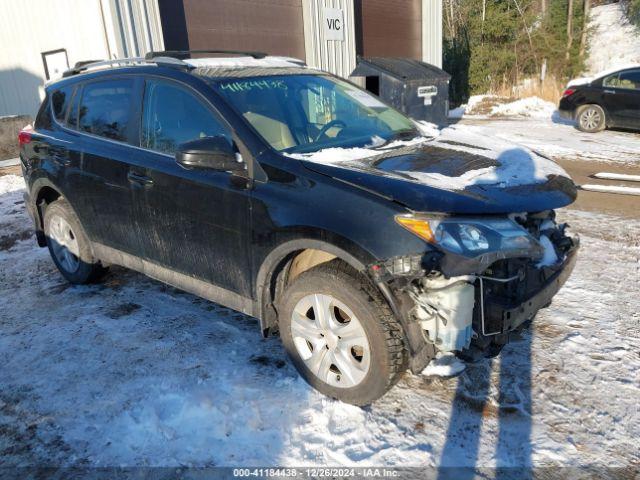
(610, 91)
(139, 179)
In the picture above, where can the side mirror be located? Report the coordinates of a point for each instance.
(215, 153)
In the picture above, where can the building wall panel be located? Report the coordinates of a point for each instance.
(390, 28)
(87, 29)
(44, 26)
(432, 32)
(335, 56)
(271, 26)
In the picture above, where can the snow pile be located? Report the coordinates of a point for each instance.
(471, 107)
(493, 106)
(517, 165)
(444, 365)
(458, 112)
(11, 183)
(532, 107)
(614, 42)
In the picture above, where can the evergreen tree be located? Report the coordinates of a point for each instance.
(494, 43)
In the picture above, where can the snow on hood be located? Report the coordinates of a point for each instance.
(513, 166)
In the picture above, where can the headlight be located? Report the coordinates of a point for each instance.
(472, 236)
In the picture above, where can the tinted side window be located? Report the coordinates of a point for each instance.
(60, 100)
(43, 118)
(105, 108)
(72, 117)
(630, 80)
(611, 81)
(172, 116)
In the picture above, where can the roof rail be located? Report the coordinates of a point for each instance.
(85, 65)
(184, 54)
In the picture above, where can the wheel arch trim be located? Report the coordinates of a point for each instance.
(349, 252)
(36, 189)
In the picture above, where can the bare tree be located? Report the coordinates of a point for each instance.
(526, 29)
(569, 29)
(585, 24)
(451, 19)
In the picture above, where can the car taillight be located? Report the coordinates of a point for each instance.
(24, 137)
(568, 92)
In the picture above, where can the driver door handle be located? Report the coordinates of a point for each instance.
(139, 179)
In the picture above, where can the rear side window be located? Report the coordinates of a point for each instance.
(173, 116)
(627, 80)
(611, 81)
(106, 107)
(43, 118)
(72, 117)
(630, 80)
(60, 100)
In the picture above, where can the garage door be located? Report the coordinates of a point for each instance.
(389, 28)
(271, 26)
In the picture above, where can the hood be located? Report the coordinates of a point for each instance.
(450, 176)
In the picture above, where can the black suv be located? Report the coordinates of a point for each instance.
(610, 99)
(295, 197)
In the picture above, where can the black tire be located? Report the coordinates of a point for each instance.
(89, 269)
(591, 118)
(384, 333)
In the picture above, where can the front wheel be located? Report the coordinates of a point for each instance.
(591, 119)
(341, 335)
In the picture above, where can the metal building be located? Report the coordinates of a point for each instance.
(327, 34)
(40, 38)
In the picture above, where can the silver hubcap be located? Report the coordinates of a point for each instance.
(330, 340)
(590, 119)
(64, 244)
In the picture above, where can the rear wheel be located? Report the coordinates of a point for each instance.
(591, 118)
(341, 335)
(68, 244)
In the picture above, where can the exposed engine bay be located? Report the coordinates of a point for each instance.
(475, 314)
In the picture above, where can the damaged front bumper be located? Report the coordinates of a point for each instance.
(504, 305)
(477, 309)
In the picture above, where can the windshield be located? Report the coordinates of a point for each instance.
(306, 113)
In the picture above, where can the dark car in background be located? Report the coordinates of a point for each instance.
(611, 100)
(196, 172)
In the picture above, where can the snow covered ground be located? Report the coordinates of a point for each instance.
(558, 139)
(489, 106)
(613, 41)
(535, 124)
(132, 372)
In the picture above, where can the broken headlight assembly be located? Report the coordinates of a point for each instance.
(472, 237)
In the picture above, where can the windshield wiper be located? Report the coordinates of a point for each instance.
(407, 134)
